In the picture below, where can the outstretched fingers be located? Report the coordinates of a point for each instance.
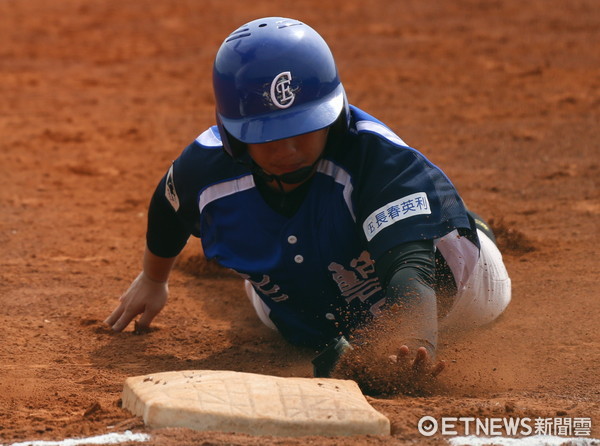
(421, 364)
(127, 315)
(438, 368)
(143, 324)
(115, 315)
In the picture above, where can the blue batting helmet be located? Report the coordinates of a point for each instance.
(274, 78)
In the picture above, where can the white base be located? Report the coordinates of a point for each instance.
(209, 400)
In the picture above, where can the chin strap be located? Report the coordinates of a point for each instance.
(295, 177)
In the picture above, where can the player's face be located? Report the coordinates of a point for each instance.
(290, 154)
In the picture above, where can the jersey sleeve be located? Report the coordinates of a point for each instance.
(173, 215)
(167, 232)
(400, 196)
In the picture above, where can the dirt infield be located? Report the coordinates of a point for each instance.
(99, 96)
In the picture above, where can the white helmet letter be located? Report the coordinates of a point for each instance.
(281, 92)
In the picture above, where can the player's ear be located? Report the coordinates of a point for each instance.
(238, 148)
(336, 130)
(232, 146)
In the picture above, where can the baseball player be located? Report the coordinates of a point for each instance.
(339, 229)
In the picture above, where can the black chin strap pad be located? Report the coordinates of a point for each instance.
(295, 177)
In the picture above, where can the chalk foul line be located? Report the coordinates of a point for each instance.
(112, 438)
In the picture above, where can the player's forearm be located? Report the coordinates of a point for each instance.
(407, 272)
(157, 268)
(415, 305)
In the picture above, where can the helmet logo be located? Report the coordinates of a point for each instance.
(282, 95)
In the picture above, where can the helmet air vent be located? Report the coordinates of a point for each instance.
(238, 34)
(286, 24)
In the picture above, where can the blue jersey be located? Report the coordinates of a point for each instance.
(314, 269)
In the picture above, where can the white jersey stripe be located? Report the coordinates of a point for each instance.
(208, 138)
(380, 129)
(340, 176)
(220, 190)
(326, 167)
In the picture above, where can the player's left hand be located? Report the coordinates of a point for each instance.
(412, 370)
(419, 365)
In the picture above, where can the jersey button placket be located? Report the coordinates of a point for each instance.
(292, 240)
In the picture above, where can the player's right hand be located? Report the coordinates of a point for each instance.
(144, 296)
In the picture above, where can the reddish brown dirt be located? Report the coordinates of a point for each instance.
(99, 96)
